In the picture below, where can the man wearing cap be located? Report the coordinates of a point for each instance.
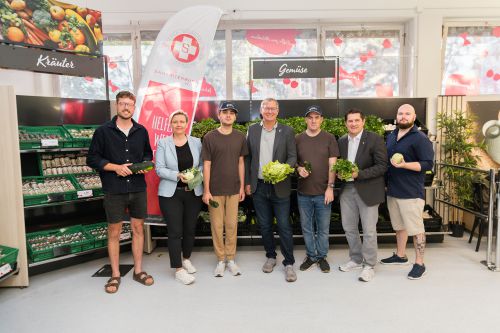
(317, 151)
(361, 195)
(270, 141)
(223, 154)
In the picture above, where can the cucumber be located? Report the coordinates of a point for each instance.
(146, 166)
(213, 203)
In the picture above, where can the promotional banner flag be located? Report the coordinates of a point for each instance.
(173, 77)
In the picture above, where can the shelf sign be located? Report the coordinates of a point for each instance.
(49, 143)
(5, 269)
(85, 194)
(37, 60)
(296, 69)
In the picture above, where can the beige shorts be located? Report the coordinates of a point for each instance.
(406, 214)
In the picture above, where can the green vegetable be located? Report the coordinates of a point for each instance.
(205, 216)
(397, 158)
(242, 217)
(38, 4)
(308, 166)
(43, 20)
(201, 128)
(374, 124)
(275, 172)
(334, 126)
(193, 176)
(213, 203)
(142, 166)
(344, 169)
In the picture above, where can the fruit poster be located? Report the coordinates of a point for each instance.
(51, 24)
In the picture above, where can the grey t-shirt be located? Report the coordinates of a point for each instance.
(266, 148)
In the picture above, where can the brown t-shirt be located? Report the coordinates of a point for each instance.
(224, 152)
(316, 150)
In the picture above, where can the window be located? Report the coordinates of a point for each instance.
(271, 43)
(472, 55)
(118, 49)
(369, 62)
(214, 82)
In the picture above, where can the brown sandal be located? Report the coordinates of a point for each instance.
(112, 282)
(141, 277)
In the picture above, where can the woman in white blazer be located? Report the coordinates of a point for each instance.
(180, 206)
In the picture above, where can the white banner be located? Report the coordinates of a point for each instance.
(173, 77)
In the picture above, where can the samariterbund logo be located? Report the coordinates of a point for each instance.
(185, 48)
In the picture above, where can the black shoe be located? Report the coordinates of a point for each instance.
(323, 265)
(308, 262)
(395, 260)
(417, 272)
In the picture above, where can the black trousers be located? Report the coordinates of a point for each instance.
(181, 213)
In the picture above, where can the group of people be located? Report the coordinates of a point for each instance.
(232, 167)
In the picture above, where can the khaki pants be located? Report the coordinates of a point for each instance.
(224, 217)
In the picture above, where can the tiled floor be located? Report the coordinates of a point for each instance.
(457, 295)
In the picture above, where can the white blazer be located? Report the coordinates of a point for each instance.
(167, 165)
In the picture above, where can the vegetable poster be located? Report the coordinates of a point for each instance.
(51, 24)
(173, 77)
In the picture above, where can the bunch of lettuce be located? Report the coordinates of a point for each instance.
(275, 172)
(344, 169)
(193, 176)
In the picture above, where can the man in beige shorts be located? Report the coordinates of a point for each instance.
(411, 155)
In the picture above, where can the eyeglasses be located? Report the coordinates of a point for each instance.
(269, 108)
(126, 104)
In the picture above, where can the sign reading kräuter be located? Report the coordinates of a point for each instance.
(36, 60)
(298, 69)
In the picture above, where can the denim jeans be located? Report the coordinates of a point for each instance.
(315, 222)
(267, 206)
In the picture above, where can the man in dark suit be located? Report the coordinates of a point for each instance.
(361, 195)
(270, 141)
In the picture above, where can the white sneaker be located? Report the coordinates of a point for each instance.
(367, 274)
(184, 277)
(350, 266)
(233, 268)
(219, 270)
(188, 266)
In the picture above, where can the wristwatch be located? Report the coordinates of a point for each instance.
(332, 185)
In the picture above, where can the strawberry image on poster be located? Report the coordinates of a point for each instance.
(460, 84)
(273, 41)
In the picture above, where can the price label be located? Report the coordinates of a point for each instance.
(85, 194)
(50, 142)
(125, 235)
(5, 269)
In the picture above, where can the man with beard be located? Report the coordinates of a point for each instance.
(405, 188)
(115, 146)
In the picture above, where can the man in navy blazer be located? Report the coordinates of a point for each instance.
(361, 195)
(270, 141)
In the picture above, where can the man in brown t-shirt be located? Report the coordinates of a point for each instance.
(223, 177)
(317, 151)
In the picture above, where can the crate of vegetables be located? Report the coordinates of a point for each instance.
(40, 137)
(8, 255)
(99, 231)
(50, 244)
(44, 190)
(89, 183)
(63, 163)
(81, 134)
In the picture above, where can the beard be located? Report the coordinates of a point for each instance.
(123, 116)
(405, 125)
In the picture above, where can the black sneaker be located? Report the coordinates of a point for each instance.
(323, 265)
(395, 260)
(308, 262)
(417, 272)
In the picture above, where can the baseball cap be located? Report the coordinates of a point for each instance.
(227, 106)
(314, 108)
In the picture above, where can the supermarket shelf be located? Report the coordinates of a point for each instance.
(53, 150)
(58, 203)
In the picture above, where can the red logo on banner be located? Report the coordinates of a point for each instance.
(185, 48)
(273, 41)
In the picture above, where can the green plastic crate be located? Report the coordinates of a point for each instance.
(103, 241)
(50, 156)
(64, 139)
(96, 192)
(39, 199)
(8, 256)
(37, 255)
(77, 140)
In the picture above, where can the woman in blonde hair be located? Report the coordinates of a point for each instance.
(179, 204)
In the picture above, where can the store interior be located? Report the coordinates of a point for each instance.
(442, 57)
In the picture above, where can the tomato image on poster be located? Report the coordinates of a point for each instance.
(51, 24)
